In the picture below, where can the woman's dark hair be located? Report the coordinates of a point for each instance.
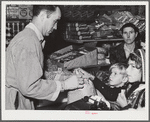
(38, 8)
(137, 39)
(129, 25)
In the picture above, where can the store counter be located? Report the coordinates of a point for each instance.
(61, 101)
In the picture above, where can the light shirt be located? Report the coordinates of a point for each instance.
(128, 51)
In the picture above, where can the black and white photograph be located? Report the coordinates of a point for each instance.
(75, 60)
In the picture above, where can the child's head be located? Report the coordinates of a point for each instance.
(118, 74)
(136, 68)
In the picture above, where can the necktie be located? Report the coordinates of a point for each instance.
(41, 41)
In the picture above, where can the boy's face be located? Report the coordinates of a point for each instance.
(133, 73)
(115, 78)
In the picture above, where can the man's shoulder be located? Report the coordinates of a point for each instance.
(26, 38)
(27, 32)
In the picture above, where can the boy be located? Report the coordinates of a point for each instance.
(117, 80)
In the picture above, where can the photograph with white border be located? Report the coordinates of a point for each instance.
(29, 91)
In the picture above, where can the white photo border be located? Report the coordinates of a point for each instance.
(71, 115)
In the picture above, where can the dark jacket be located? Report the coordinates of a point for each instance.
(117, 54)
(135, 98)
(110, 93)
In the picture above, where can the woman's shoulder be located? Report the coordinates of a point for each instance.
(121, 45)
(118, 47)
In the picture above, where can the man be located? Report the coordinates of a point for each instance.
(24, 62)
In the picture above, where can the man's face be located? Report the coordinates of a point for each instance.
(51, 23)
(133, 73)
(116, 77)
(129, 35)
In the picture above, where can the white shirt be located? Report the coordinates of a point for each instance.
(127, 51)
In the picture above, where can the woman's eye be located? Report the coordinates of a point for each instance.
(133, 66)
(131, 32)
(115, 73)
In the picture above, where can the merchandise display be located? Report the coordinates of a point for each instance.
(18, 16)
(104, 27)
(74, 56)
(82, 38)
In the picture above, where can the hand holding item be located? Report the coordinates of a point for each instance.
(72, 83)
(122, 100)
(99, 102)
(77, 94)
(83, 74)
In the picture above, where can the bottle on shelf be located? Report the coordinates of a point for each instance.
(22, 25)
(78, 33)
(8, 30)
(84, 37)
(80, 25)
(13, 28)
(18, 27)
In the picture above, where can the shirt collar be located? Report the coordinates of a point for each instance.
(35, 29)
(126, 48)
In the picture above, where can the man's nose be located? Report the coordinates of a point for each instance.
(128, 35)
(55, 27)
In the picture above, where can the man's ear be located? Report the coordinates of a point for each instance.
(42, 15)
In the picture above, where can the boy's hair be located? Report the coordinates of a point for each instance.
(38, 8)
(121, 66)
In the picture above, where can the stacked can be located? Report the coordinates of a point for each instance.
(79, 31)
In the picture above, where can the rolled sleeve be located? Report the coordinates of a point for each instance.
(56, 93)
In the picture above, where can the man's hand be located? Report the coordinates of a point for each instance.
(122, 100)
(73, 82)
(83, 74)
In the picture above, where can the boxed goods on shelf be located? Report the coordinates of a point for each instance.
(104, 27)
(76, 56)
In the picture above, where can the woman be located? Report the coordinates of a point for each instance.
(134, 95)
(120, 53)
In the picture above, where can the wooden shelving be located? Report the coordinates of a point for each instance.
(94, 40)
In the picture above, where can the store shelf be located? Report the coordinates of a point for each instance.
(93, 40)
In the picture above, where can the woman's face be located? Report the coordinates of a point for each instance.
(133, 73)
(129, 35)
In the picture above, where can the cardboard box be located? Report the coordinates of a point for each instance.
(76, 56)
